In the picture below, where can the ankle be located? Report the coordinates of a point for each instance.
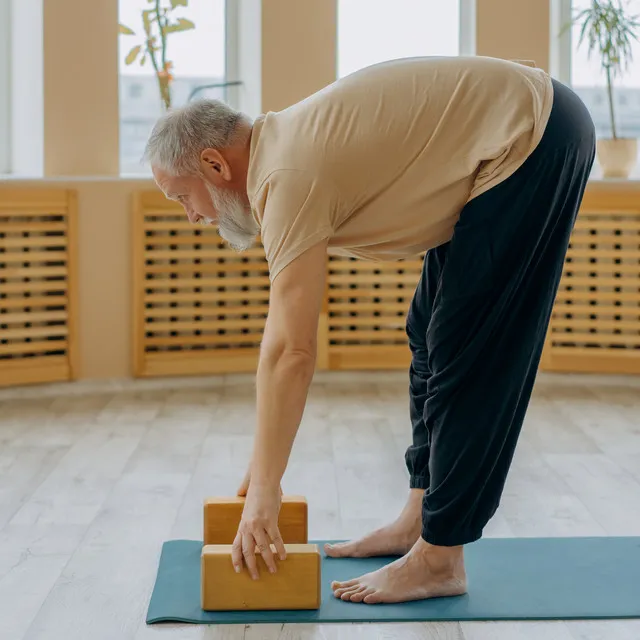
(441, 560)
(412, 509)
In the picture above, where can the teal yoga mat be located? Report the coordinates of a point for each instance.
(509, 579)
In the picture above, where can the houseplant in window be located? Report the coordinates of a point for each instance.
(158, 23)
(609, 30)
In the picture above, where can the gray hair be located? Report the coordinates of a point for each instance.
(180, 135)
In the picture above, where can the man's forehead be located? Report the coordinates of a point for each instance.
(165, 182)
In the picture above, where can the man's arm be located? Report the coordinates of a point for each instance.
(287, 361)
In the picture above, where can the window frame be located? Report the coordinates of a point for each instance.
(467, 27)
(561, 43)
(5, 87)
(232, 51)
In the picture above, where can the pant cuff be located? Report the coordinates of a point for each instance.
(452, 540)
(419, 482)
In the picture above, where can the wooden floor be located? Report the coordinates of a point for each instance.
(94, 478)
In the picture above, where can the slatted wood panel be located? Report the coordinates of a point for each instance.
(200, 306)
(37, 286)
(367, 310)
(596, 317)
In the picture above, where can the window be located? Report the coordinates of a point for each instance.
(195, 56)
(372, 31)
(589, 81)
(135, 90)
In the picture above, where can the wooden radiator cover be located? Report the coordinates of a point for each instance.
(367, 309)
(595, 326)
(37, 286)
(200, 307)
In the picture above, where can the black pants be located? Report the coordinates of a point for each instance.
(477, 325)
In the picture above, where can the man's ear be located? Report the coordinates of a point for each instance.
(214, 166)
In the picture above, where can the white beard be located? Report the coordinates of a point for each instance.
(236, 225)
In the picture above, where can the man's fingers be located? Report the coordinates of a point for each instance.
(236, 553)
(264, 547)
(278, 543)
(249, 554)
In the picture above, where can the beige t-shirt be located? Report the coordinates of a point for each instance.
(382, 161)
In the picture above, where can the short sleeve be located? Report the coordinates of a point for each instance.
(298, 211)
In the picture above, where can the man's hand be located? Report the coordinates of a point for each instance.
(258, 530)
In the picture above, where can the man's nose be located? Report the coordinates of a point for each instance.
(192, 216)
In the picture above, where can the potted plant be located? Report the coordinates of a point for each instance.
(609, 30)
(157, 24)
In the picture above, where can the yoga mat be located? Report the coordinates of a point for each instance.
(509, 579)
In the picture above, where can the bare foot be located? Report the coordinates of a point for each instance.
(426, 571)
(393, 540)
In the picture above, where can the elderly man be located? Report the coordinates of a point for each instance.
(479, 162)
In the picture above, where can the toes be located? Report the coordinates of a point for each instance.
(340, 550)
(350, 592)
(338, 593)
(374, 597)
(360, 595)
(343, 585)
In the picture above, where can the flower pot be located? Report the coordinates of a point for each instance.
(617, 156)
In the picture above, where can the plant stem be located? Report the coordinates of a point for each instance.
(162, 80)
(611, 112)
(163, 83)
(163, 35)
(154, 62)
(165, 44)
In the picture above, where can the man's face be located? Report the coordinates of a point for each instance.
(206, 204)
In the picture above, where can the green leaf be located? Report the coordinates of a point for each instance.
(126, 31)
(147, 19)
(143, 60)
(132, 55)
(179, 3)
(182, 25)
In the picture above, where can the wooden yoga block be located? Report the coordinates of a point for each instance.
(222, 518)
(295, 585)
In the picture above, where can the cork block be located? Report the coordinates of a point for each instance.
(222, 518)
(295, 585)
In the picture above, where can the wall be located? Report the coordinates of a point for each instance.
(81, 88)
(515, 29)
(307, 28)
